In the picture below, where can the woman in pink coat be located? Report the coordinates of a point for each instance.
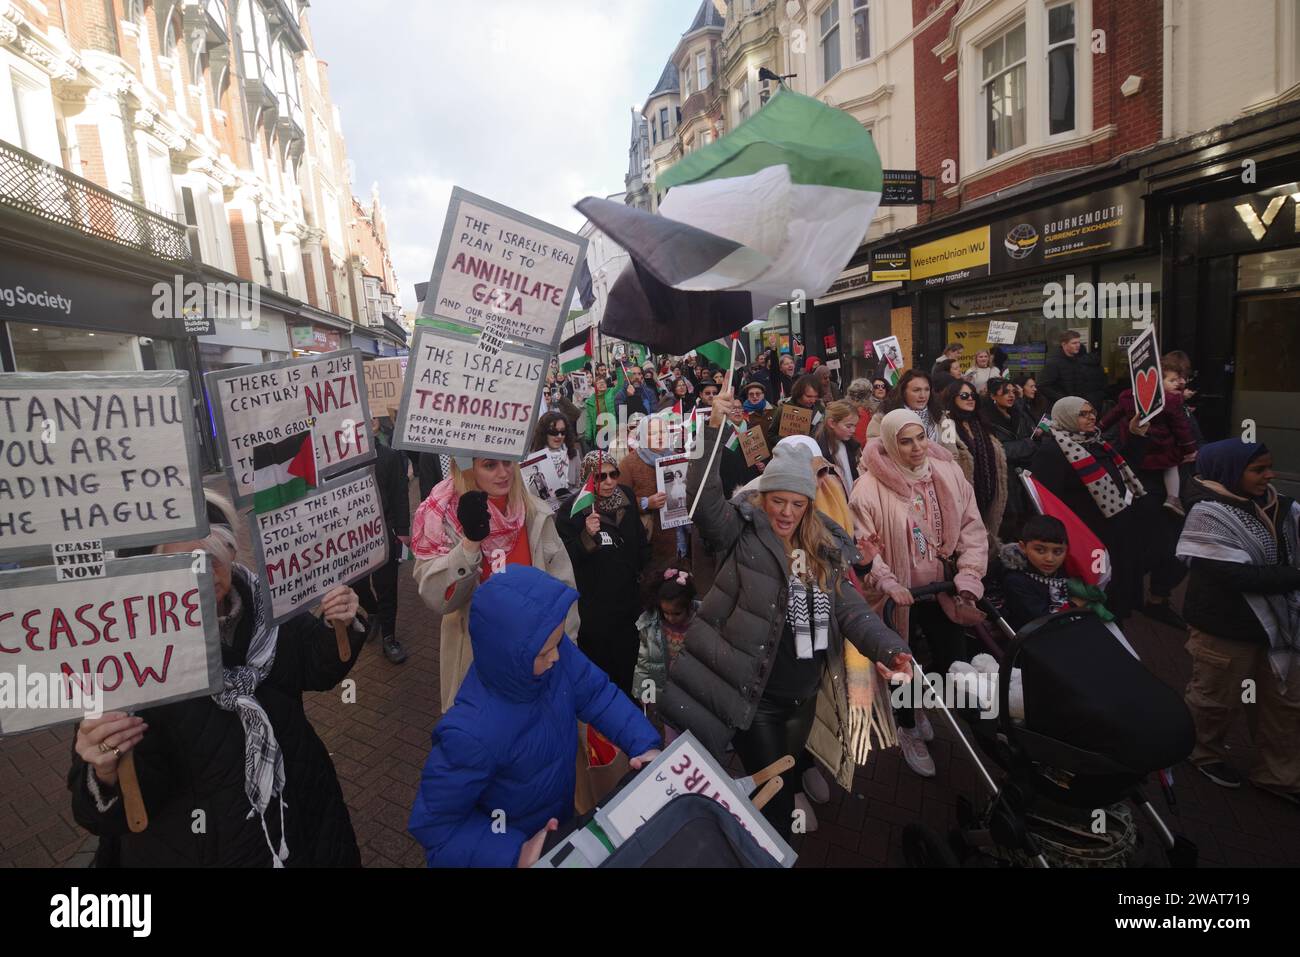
(916, 521)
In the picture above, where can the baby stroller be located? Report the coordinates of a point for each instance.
(1095, 725)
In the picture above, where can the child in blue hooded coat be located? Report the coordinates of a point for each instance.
(502, 769)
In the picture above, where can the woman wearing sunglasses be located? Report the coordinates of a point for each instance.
(979, 454)
(554, 435)
(608, 547)
(1095, 482)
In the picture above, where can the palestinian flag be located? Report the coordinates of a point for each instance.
(575, 351)
(1085, 554)
(283, 471)
(740, 428)
(585, 498)
(777, 205)
(717, 352)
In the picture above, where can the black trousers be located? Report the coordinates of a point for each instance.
(780, 727)
(612, 647)
(947, 641)
(378, 593)
(1161, 529)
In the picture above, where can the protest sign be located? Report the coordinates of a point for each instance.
(337, 535)
(542, 478)
(384, 385)
(142, 635)
(1001, 332)
(670, 478)
(76, 560)
(254, 405)
(497, 266)
(795, 420)
(891, 358)
(754, 446)
(1144, 372)
(685, 767)
(582, 387)
(461, 401)
(111, 456)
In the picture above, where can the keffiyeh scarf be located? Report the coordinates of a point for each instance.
(808, 611)
(436, 516)
(1219, 532)
(263, 761)
(1108, 494)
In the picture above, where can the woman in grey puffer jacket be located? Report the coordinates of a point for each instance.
(767, 645)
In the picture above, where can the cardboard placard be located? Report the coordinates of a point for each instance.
(543, 478)
(1146, 376)
(337, 535)
(98, 455)
(754, 446)
(497, 266)
(144, 634)
(686, 767)
(1002, 332)
(795, 420)
(74, 561)
(670, 478)
(384, 385)
(460, 401)
(891, 355)
(325, 394)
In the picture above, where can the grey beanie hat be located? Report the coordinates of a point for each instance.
(789, 470)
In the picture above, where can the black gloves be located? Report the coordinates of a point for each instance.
(472, 513)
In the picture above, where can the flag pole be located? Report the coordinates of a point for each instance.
(726, 387)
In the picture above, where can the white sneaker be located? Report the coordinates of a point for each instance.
(923, 726)
(915, 753)
(801, 803)
(815, 786)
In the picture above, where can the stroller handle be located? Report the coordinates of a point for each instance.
(920, 593)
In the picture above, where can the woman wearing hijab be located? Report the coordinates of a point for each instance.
(1094, 481)
(247, 755)
(980, 454)
(1243, 609)
(476, 521)
(916, 521)
(637, 467)
(608, 547)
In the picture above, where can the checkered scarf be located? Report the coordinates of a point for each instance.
(263, 761)
(1105, 491)
(808, 611)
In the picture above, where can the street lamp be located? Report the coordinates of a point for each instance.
(765, 74)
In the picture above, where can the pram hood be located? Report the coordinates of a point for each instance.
(1084, 689)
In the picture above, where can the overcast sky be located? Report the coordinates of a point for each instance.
(526, 103)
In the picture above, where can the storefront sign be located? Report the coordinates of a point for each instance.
(900, 187)
(1245, 224)
(335, 536)
(1020, 295)
(1102, 222)
(890, 264)
(952, 259)
(44, 293)
(851, 284)
(143, 635)
(98, 455)
(460, 401)
(268, 403)
(496, 263)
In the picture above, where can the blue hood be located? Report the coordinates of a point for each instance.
(510, 618)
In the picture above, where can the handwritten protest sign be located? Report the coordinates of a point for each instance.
(335, 536)
(144, 634)
(795, 420)
(754, 446)
(685, 767)
(384, 385)
(1002, 332)
(254, 405)
(497, 266)
(1146, 376)
(459, 400)
(111, 456)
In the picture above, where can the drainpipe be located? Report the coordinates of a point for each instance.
(1166, 73)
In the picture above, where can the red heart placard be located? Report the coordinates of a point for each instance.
(1146, 389)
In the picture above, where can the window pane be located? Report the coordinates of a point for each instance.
(993, 58)
(1006, 112)
(1060, 88)
(1016, 44)
(861, 31)
(830, 16)
(1060, 23)
(831, 54)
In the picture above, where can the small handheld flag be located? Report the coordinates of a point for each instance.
(283, 471)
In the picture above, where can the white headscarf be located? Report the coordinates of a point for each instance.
(890, 426)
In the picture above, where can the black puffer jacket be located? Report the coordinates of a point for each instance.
(192, 759)
(1216, 602)
(717, 680)
(1079, 375)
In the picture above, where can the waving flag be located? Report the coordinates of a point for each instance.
(1085, 552)
(776, 207)
(585, 498)
(575, 351)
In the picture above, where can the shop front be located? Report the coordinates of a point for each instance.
(313, 332)
(1077, 264)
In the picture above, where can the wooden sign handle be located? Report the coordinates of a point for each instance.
(341, 634)
(767, 792)
(137, 817)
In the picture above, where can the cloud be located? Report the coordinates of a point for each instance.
(527, 103)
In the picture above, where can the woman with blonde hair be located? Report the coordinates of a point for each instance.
(474, 522)
(984, 369)
(836, 436)
(763, 661)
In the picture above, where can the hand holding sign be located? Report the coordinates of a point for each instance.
(103, 742)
